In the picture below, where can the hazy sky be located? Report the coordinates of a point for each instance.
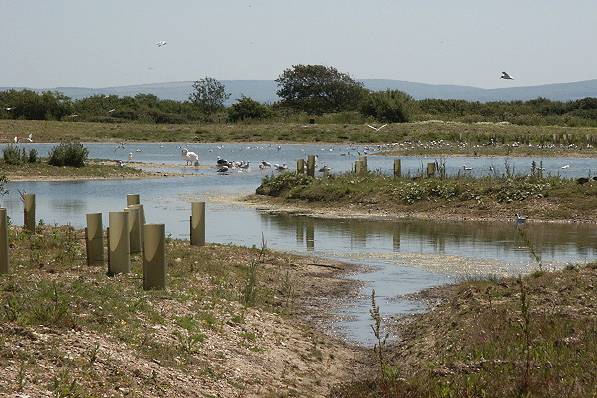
(96, 43)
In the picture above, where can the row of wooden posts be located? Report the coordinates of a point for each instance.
(127, 234)
(359, 167)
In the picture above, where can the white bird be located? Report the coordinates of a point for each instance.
(161, 43)
(16, 139)
(30, 137)
(223, 169)
(9, 108)
(376, 128)
(111, 110)
(73, 115)
(188, 156)
(266, 164)
(467, 168)
(566, 166)
(281, 167)
(325, 168)
(130, 156)
(506, 76)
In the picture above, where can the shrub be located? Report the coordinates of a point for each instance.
(12, 154)
(248, 109)
(392, 106)
(71, 154)
(33, 156)
(275, 185)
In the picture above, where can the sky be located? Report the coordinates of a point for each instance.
(101, 43)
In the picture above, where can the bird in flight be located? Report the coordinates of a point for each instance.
(376, 128)
(9, 108)
(111, 110)
(506, 76)
(161, 43)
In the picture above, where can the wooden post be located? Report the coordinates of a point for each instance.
(29, 212)
(133, 199)
(154, 256)
(360, 168)
(141, 220)
(430, 169)
(300, 166)
(198, 224)
(119, 254)
(397, 168)
(4, 264)
(94, 239)
(311, 166)
(364, 159)
(134, 216)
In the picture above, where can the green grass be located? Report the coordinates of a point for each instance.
(93, 169)
(560, 198)
(53, 131)
(505, 338)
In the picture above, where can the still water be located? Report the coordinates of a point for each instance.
(406, 256)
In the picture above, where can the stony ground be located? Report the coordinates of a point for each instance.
(233, 322)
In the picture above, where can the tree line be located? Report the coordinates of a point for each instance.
(306, 92)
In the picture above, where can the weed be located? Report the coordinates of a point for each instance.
(377, 329)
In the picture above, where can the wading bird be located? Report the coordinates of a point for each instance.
(506, 76)
(520, 219)
(376, 128)
(191, 157)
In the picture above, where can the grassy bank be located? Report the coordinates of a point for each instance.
(227, 325)
(462, 197)
(53, 131)
(92, 170)
(534, 337)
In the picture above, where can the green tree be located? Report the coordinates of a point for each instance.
(209, 95)
(392, 106)
(247, 108)
(318, 89)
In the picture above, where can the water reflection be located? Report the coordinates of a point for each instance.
(407, 255)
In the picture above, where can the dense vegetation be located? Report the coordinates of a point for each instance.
(538, 196)
(305, 91)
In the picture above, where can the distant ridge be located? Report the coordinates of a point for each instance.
(265, 90)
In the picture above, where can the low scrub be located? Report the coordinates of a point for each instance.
(71, 154)
(14, 155)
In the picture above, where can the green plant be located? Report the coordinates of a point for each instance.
(12, 154)
(525, 328)
(33, 156)
(377, 329)
(71, 154)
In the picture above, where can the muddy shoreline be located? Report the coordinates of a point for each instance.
(342, 211)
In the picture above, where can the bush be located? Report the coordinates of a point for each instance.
(248, 109)
(33, 156)
(275, 185)
(71, 154)
(392, 106)
(13, 155)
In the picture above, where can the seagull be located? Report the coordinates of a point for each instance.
(30, 137)
(467, 168)
(16, 139)
(506, 76)
(130, 156)
(325, 168)
(566, 166)
(376, 128)
(9, 108)
(161, 43)
(111, 110)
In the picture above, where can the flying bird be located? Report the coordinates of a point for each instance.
(111, 110)
(9, 108)
(376, 128)
(506, 76)
(30, 137)
(161, 43)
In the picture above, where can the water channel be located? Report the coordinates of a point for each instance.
(406, 256)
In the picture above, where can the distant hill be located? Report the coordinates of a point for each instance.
(265, 90)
